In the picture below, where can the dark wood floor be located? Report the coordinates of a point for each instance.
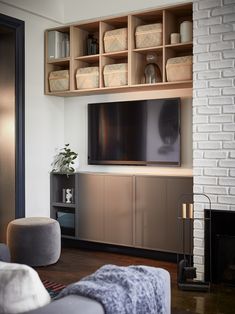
(75, 264)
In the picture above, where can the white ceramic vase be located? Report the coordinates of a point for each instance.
(186, 31)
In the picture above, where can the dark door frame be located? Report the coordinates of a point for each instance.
(18, 27)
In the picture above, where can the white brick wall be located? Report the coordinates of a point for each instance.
(213, 111)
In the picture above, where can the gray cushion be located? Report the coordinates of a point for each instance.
(20, 289)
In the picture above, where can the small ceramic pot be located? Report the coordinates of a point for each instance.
(175, 38)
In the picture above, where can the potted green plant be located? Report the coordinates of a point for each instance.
(64, 160)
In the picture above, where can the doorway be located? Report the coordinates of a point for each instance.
(12, 170)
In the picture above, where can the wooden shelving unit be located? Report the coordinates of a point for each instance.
(59, 208)
(170, 17)
(99, 213)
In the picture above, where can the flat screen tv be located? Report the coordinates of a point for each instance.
(140, 132)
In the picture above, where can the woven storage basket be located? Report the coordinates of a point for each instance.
(179, 69)
(115, 40)
(148, 35)
(59, 80)
(115, 74)
(87, 77)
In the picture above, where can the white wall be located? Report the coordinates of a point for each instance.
(76, 108)
(47, 126)
(44, 115)
(76, 132)
(77, 10)
(67, 11)
(52, 9)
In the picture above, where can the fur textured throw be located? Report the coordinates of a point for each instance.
(124, 290)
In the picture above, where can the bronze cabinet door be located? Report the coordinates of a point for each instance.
(151, 216)
(156, 213)
(105, 208)
(140, 211)
(119, 209)
(91, 207)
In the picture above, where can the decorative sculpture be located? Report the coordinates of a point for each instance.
(68, 195)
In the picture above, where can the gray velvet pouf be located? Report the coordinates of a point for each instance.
(34, 241)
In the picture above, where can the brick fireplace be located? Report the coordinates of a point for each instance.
(213, 112)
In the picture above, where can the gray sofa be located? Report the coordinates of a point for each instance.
(72, 304)
(67, 305)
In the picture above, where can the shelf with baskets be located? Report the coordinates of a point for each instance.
(57, 62)
(111, 55)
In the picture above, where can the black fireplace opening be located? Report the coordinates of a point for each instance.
(222, 256)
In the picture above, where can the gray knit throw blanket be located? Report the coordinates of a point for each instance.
(123, 290)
